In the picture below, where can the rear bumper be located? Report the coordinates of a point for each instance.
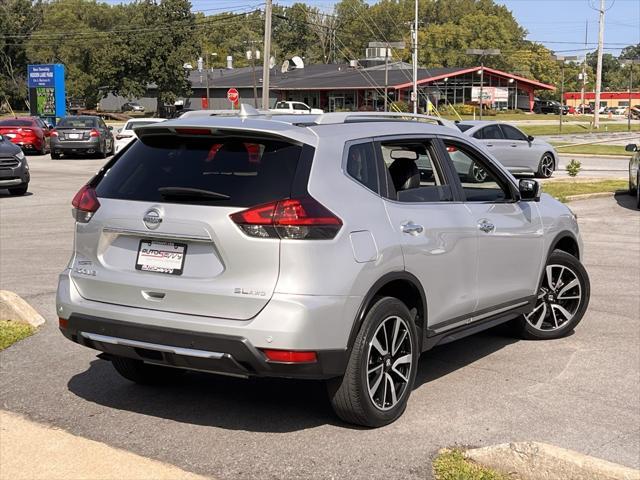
(78, 146)
(288, 322)
(225, 354)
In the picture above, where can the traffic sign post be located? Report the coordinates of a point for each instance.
(233, 96)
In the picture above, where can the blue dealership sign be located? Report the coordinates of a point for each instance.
(47, 90)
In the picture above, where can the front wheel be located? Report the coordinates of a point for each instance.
(546, 166)
(381, 371)
(563, 297)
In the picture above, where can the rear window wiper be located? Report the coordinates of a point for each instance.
(186, 192)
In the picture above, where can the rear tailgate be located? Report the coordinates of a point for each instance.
(150, 247)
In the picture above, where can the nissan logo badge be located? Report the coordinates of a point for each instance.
(152, 219)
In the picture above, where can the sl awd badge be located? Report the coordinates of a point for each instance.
(152, 219)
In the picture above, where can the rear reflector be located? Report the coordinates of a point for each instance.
(298, 219)
(63, 322)
(85, 204)
(290, 356)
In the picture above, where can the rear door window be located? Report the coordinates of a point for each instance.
(512, 133)
(491, 132)
(239, 172)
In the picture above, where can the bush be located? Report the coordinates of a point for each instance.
(573, 168)
(399, 107)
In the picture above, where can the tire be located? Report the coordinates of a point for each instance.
(144, 373)
(543, 323)
(546, 166)
(476, 173)
(43, 149)
(638, 192)
(21, 190)
(55, 155)
(349, 394)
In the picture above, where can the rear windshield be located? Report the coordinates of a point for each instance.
(247, 171)
(77, 122)
(463, 127)
(16, 123)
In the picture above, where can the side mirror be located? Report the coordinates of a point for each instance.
(632, 147)
(529, 190)
(530, 138)
(110, 128)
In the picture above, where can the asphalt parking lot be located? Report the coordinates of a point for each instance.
(581, 392)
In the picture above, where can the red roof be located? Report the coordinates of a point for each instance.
(603, 95)
(500, 73)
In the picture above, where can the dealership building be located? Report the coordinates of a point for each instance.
(607, 99)
(358, 85)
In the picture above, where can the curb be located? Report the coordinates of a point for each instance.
(588, 155)
(15, 309)
(541, 461)
(586, 196)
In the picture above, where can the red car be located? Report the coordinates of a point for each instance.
(29, 133)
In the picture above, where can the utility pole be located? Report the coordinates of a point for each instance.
(387, 46)
(629, 62)
(584, 64)
(267, 54)
(482, 53)
(596, 116)
(562, 59)
(415, 60)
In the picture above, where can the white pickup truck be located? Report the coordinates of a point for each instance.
(295, 108)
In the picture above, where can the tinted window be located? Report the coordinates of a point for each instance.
(12, 122)
(492, 132)
(412, 172)
(462, 127)
(513, 133)
(77, 122)
(249, 171)
(361, 165)
(479, 183)
(299, 106)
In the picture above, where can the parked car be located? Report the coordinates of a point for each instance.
(126, 134)
(634, 111)
(132, 107)
(584, 109)
(83, 134)
(549, 106)
(322, 255)
(620, 110)
(14, 169)
(29, 133)
(518, 152)
(634, 172)
(295, 108)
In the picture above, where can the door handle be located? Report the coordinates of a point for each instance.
(486, 226)
(514, 145)
(489, 144)
(412, 228)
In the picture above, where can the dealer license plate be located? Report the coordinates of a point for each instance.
(161, 257)
(74, 136)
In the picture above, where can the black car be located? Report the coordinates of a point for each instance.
(549, 106)
(14, 170)
(84, 134)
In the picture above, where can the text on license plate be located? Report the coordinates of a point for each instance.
(161, 257)
(74, 135)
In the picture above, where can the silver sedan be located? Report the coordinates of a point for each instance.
(518, 152)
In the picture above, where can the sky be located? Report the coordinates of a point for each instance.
(558, 24)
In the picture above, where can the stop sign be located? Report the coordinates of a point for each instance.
(233, 95)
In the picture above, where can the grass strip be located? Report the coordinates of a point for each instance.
(12, 332)
(592, 149)
(451, 465)
(562, 189)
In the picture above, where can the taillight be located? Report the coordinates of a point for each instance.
(85, 204)
(290, 356)
(94, 133)
(296, 219)
(451, 149)
(53, 133)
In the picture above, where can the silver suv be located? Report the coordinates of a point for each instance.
(336, 247)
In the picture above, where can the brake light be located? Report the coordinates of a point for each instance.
(193, 131)
(296, 219)
(85, 204)
(94, 133)
(290, 356)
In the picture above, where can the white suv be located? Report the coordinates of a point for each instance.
(340, 248)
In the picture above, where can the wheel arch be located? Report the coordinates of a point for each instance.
(405, 287)
(566, 242)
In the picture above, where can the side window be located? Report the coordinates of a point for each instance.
(361, 165)
(299, 106)
(512, 133)
(492, 132)
(281, 105)
(413, 173)
(478, 182)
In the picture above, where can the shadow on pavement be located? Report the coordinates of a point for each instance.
(256, 404)
(626, 201)
(4, 193)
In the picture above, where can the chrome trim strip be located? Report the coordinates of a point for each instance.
(470, 320)
(13, 181)
(156, 234)
(189, 352)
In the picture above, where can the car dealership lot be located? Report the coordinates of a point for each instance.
(581, 392)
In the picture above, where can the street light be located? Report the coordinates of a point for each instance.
(630, 62)
(562, 60)
(482, 53)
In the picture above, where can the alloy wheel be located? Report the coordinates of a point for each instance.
(559, 299)
(389, 363)
(478, 173)
(546, 166)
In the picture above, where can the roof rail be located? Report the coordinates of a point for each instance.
(348, 117)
